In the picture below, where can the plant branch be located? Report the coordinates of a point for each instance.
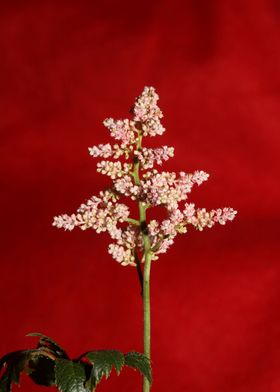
(133, 221)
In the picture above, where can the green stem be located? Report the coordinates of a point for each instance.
(146, 297)
(132, 221)
(147, 267)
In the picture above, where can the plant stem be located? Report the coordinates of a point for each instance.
(147, 267)
(146, 296)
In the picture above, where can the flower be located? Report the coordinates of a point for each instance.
(147, 112)
(124, 250)
(166, 188)
(99, 213)
(125, 186)
(113, 169)
(106, 151)
(122, 130)
(200, 218)
(148, 156)
(139, 181)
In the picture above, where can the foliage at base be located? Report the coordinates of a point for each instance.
(50, 365)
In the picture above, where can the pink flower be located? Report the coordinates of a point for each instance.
(149, 156)
(121, 255)
(122, 130)
(102, 150)
(199, 177)
(189, 211)
(124, 250)
(201, 218)
(106, 151)
(125, 186)
(148, 113)
(99, 214)
(149, 188)
(113, 169)
(167, 189)
(223, 215)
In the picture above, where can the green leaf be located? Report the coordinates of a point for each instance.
(103, 361)
(41, 370)
(70, 376)
(140, 362)
(50, 344)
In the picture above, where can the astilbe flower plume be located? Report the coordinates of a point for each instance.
(151, 188)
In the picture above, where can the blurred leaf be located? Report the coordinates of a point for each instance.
(5, 382)
(13, 364)
(139, 362)
(50, 344)
(41, 370)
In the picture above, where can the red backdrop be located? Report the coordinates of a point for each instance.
(67, 65)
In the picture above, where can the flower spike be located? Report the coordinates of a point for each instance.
(131, 169)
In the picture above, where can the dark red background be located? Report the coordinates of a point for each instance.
(65, 66)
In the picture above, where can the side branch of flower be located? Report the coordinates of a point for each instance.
(133, 221)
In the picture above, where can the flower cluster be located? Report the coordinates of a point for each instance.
(148, 156)
(126, 187)
(162, 235)
(122, 130)
(167, 189)
(147, 113)
(99, 213)
(113, 169)
(200, 218)
(106, 151)
(124, 249)
(138, 180)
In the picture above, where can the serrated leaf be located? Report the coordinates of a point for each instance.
(139, 362)
(103, 361)
(50, 344)
(70, 376)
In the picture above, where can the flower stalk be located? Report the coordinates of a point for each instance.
(147, 305)
(147, 266)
